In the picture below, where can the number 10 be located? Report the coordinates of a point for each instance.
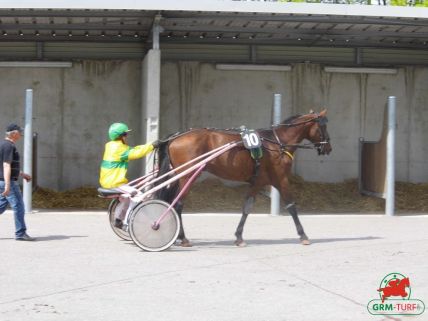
(251, 139)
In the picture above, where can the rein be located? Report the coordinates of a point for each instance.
(316, 119)
(283, 147)
(176, 135)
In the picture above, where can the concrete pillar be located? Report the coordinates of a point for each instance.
(28, 151)
(390, 158)
(151, 98)
(275, 197)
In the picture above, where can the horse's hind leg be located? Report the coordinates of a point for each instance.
(248, 205)
(293, 212)
(181, 236)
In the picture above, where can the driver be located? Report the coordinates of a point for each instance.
(114, 165)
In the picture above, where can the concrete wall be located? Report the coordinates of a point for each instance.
(197, 95)
(73, 108)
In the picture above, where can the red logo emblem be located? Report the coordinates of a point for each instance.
(395, 287)
(394, 297)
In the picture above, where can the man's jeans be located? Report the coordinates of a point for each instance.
(14, 199)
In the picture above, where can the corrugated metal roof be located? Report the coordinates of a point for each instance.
(46, 27)
(213, 27)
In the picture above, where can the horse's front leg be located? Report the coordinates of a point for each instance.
(248, 205)
(291, 207)
(246, 209)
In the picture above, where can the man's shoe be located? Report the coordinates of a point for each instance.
(118, 223)
(25, 237)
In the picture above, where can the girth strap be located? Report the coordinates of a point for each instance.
(255, 172)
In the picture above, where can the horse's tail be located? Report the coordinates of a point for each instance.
(169, 192)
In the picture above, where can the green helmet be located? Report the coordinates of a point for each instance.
(116, 130)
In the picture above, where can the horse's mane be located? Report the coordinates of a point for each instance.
(290, 119)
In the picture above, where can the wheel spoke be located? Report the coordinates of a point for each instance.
(141, 226)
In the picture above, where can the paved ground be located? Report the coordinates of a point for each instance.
(79, 270)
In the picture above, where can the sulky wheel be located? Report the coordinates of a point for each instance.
(147, 236)
(119, 232)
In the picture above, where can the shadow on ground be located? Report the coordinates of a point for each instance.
(57, 237)
(252, 242)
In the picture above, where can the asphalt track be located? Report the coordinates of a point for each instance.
(79, 270)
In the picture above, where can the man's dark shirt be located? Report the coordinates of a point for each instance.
(9, 154)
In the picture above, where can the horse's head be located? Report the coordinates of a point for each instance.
(318, 133)
(405, 282)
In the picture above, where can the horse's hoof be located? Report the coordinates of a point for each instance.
(240, 243)
(306, 242)
(186, 244)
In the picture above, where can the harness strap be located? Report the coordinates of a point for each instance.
(255, 172)
(286, 152)
(277, 138)
(282, 147)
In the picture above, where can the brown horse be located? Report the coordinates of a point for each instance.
(278, 145)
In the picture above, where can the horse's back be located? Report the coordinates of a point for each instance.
(199, 141)
(235, 164)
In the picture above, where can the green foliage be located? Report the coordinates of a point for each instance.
(421, 3)
(402, 3)
(398, 3)
(409, 3)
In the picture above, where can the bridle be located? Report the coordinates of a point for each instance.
(322, 128)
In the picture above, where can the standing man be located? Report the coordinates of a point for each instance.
(10, 192)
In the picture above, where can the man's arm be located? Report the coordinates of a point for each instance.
(25, 176)
(139, 151)
(6, 174)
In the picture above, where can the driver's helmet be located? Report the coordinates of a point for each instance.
(116, 130)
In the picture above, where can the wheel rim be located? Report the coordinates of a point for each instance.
(141, 222)
(119, 232)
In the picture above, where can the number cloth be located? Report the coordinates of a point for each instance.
(115, 162)
(252, 142)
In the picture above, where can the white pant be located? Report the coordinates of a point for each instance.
(121, 208)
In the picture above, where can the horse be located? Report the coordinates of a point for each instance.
(278, 144)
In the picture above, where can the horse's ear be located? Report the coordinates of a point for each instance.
(311, 111)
